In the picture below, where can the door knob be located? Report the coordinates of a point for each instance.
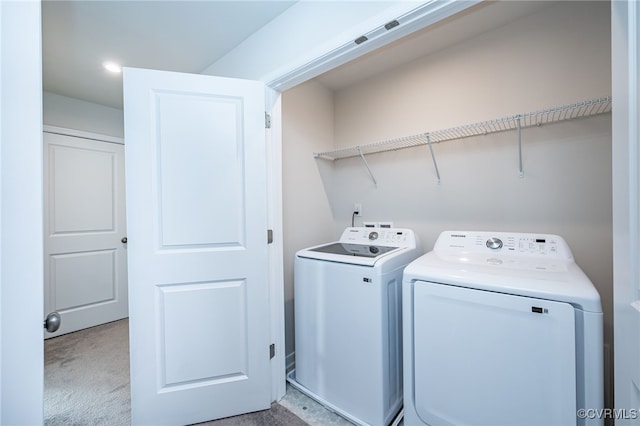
(52, 323)
(124, 240)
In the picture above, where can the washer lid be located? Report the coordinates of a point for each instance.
(353, 249)
(366, 246)
(357, 254)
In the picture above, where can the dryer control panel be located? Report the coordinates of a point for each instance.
(396, 237)
(504, 243)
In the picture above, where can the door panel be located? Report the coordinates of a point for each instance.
(209, 361)
(490, 358)
(81, 204)
(68, 278)
(85, 260)
(194, 203)
(198, 265)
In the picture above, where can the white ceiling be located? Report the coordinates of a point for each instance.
(188, 36)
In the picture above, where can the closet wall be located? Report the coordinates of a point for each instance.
(557, 55)
(307, 218)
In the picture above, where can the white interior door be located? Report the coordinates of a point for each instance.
(85, 272)
(198, 265)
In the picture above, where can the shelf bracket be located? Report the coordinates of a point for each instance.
(518, 126)
(364, 160)
(433, 157)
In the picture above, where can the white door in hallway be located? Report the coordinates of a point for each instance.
(85, 269)
(198, 255)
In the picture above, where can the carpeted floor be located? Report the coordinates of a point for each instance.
(86, 377)
(87, 382)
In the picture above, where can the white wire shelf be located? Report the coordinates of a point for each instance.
(536, 118)
(515, 122)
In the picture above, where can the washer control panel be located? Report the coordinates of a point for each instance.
(504, 243)
(396, 237)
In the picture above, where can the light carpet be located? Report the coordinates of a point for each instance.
(87, 382)
(86, 377)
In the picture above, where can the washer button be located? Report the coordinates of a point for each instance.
(373, 235)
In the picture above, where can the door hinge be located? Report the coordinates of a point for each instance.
(269, 236)
(267, 120)
(272, 350)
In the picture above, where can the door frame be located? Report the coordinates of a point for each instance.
(81, 134)
(276, 248)
(21, 214)
(625, 61)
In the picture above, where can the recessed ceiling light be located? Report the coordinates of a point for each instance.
(112, 67)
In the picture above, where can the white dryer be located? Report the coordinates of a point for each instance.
(500, 329)
(348, 322)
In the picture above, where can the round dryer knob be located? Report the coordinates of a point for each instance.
(373, 235)
(494, 243)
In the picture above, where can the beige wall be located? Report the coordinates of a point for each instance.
(556, 56)
(307, 217)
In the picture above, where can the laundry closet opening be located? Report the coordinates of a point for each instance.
(491, 61)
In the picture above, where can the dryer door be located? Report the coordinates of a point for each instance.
(485, 358)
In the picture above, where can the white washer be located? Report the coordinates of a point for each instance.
(348, 322)
(500, 329)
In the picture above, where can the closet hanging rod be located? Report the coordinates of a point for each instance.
(530, 119)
